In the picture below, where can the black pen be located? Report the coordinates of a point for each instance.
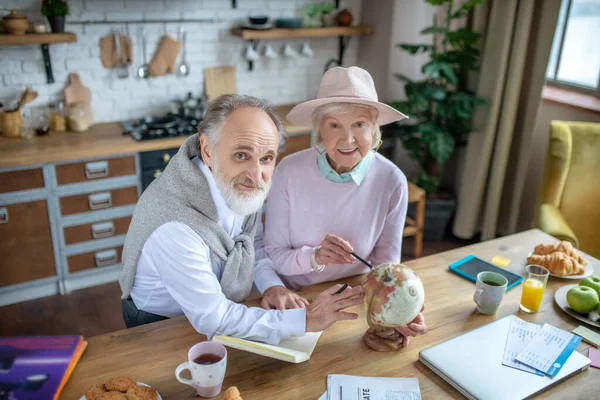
(342, 289)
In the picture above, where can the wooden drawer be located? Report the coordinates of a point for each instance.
(96, 230)
(293, 144)
(100, 169)
(21, 180)
(157, 159)
(26, 252)
(98, 201)
(95, 259)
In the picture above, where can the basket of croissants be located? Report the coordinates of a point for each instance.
(560, 258)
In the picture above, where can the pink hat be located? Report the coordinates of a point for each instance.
(344, 85)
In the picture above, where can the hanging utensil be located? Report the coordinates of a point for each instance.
(122, 72)
(183, 69)
(143, 69)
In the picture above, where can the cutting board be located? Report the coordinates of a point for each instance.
(219, 81)
(108, 51)
(165, 58)
(76, 92)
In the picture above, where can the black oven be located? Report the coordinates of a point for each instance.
(153, 163)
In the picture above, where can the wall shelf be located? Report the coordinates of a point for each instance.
(37, 38)
(43, 39)
(342, 32)
(279, 33)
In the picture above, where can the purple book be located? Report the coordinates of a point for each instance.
(34, 367)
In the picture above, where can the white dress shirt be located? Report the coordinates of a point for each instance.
(176, 275)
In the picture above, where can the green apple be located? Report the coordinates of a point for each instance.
(582, 299)
(591, 281)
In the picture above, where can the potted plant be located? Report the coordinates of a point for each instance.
(55, 11)
(440, 109)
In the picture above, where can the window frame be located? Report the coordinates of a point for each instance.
(556, 82)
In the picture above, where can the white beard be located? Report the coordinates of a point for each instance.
(241, 204)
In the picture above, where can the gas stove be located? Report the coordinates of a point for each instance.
(169, 125)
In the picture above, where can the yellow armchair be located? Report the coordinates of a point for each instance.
(569, 200)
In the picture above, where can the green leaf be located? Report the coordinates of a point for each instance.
(426, 182)
(448, 72)
(463, 37)
(464, 9)
(441, 146)
(434, 29)
(438, 2)
(435, 92)
(415, 48)
(403, 78)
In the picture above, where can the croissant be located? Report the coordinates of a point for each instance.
(558, 263)
(232, 394)
(563, 246)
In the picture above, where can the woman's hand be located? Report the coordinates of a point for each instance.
(334, 250)
(415, 327)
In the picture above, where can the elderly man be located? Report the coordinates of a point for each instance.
(194, 246)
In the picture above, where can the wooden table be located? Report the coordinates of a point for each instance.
(150, 353)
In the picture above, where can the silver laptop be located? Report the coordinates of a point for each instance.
(472, 363)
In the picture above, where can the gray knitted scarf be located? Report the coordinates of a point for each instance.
(181, 193)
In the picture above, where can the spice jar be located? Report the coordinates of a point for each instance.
(58, 120)
(77, 117)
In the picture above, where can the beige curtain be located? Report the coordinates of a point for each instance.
(516, 41)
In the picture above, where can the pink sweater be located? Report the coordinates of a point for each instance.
(303, 207)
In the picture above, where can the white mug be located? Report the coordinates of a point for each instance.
(489, 292)
(207, 379)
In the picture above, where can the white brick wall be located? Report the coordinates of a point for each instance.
(208, 44)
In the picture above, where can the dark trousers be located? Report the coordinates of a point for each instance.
(134, 317)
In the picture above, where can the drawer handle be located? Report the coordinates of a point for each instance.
(97, 169)
(166, 157)
(107, 257)
(3, 215)
(100, 200)
(156, 173)
(103, 229)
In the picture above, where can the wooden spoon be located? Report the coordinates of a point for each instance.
(28, 96)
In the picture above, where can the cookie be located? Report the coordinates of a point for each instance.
(141, 393)
(113, 395)
(95, 392)
(119, 383)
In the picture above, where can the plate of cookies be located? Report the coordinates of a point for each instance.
(121, 388)
(562, 260)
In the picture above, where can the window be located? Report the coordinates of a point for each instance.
(575, 55)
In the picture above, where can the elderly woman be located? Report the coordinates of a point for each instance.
(340, 197)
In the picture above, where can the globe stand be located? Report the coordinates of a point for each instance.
(380, 338)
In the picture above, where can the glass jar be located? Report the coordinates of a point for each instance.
(58, 120)
(77, 118)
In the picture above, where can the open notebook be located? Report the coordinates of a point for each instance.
(295, 350)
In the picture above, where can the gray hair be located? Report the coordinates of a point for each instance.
(222, 107)
(342, 108)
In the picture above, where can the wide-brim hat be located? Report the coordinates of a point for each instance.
(345, 85)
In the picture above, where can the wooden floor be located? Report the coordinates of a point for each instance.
(97, 310)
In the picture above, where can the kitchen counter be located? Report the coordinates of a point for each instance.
(100, 140)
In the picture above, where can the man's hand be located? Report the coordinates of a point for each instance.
(325, 310)
(280, 298)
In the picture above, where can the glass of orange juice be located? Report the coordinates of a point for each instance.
(536, 278)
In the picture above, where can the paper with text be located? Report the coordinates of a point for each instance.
(520, 334)
(347, 387)
(549, 350)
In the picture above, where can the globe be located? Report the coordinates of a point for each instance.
(394, 296)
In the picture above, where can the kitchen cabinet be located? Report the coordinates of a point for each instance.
(26, 249)
(63, 225)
